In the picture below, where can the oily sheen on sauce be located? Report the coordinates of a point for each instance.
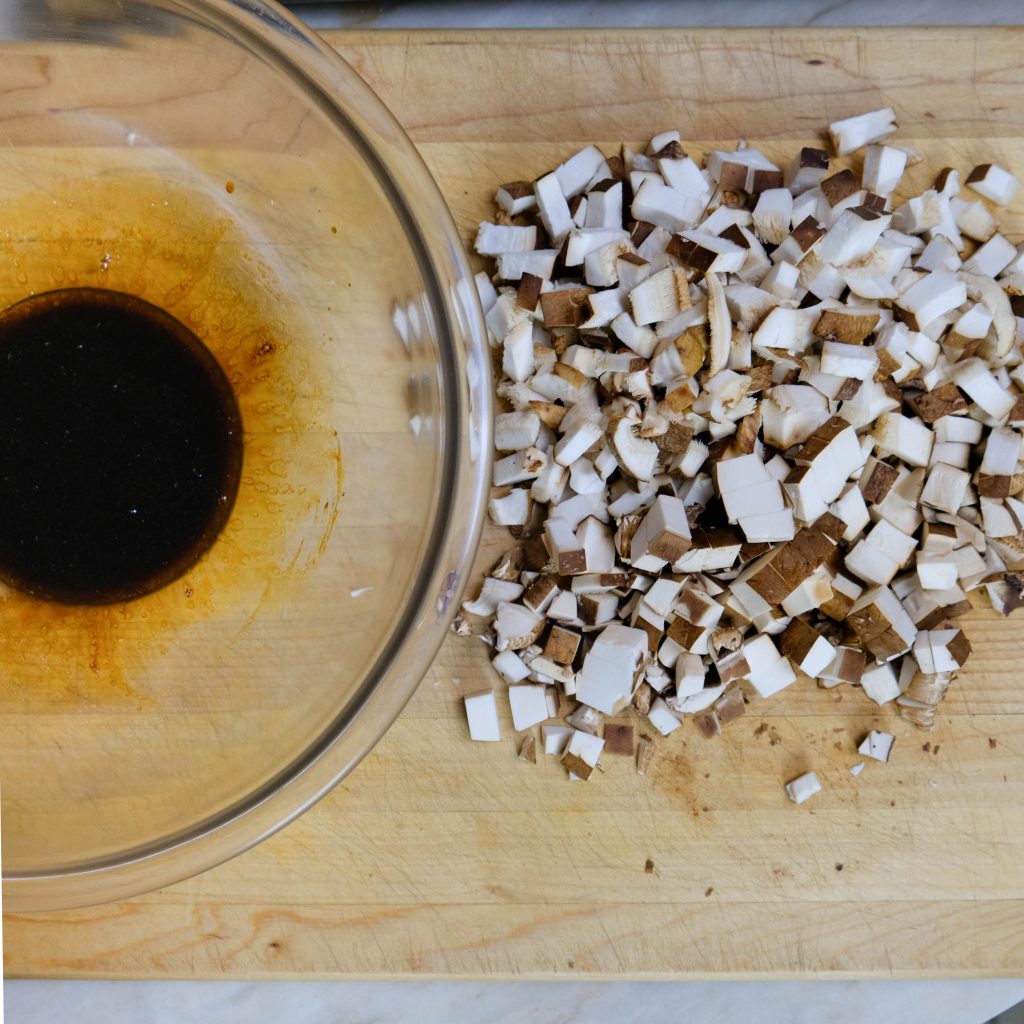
(120, 447)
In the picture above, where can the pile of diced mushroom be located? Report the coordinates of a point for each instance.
(759, 422)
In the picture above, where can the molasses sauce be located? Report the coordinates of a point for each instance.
(120, 447)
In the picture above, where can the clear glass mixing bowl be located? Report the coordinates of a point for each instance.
(217, 159)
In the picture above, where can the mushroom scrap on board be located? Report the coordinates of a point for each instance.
(760, 423)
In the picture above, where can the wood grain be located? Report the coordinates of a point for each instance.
(442, 857)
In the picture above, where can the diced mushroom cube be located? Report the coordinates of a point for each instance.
(803, 787)
(482, 716)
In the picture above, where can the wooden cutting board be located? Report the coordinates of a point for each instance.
(443, 857)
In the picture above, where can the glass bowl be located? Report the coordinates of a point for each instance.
(220, 161)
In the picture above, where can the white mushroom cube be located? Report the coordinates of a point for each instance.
(604, 207)
(739, 473)
(851, 236)
(994, 183)
(806, 170)
(939, 254)
(768, 671)
(516, 197)
(554, 208)
(689, 675)
(768, 527)
(577, 442)
(556, 738)
(818, 658)
(746, 169)
(495, 239)
(908, 439)
(493, 592)
(661, 596)
(563, 607)
(810, 595)
(662, 717)
(519, 467)
(515, 430)
(595, 538)
(781, 280)
(512, 509)
(946, 488)
(664, 533)
(785, 328)
(539, 262)
(852, 510)
(857, 362)
(583, 241)
(659, 204)
(482, 716)
(975, 323)
(517, 358)
(601, 266)
(991, 258)
(897, 545)
(510, 667)
(659, 297)
(529, 705)
(870, 564)
(877, 745)
(803, 787)
(516, 627)
(579, 170)
(851, 133)
(717, 255)
(641, 340)
(884, 627)
(772, 215)
(973, 377)
(936, 572)
(883, 168)
(973, 219)
(584, 746)
(611, 668)
(880, 683)
(685, 177)
(930, 297)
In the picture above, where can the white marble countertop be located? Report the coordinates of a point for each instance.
(468, 1002)
(847, 1002)
(650, 13)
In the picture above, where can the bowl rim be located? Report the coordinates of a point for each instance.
(466, 452)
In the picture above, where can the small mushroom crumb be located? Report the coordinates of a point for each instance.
(528, 749)
(991, 743)
(708, 891)
(649, 867)
(644, 754)
(839, 867)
